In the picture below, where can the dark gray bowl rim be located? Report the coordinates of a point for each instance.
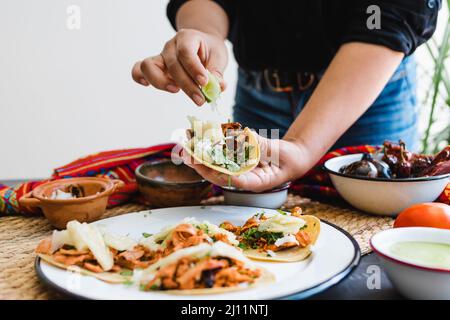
(336, 173)
(283, 187)
(143, 178)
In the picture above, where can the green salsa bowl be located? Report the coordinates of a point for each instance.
(417, 260)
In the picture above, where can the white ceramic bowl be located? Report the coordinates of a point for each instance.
(413, 280)
(271, 199)
(383, 196)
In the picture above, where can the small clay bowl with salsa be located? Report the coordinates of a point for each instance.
(81, 199)
(163, 183)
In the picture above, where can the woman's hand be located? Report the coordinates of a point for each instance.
(281, 161)
(183, 63)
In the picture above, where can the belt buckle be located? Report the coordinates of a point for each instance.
(309, 82)
(277, 86)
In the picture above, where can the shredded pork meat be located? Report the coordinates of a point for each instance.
(183, 236)
(209, 272)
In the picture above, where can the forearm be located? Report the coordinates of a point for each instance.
(203, 15)
(352, 82)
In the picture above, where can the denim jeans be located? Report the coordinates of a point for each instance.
(392, 116)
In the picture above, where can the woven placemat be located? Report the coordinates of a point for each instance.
(20, 235)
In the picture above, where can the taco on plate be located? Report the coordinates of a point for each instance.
(204, 269)
(227, 148)
(87, 249)
(284, 237)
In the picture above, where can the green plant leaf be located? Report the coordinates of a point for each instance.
(440, 79)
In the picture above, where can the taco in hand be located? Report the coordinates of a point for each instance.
(204, 269)
(84, 248)
(284, 237)
(227, 148)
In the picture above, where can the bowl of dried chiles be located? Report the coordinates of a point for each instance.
(391, 179)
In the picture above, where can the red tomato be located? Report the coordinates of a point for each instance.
(435, 215)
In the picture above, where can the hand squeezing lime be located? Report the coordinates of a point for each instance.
(211, 91)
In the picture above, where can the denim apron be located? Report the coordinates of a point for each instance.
(392, 116)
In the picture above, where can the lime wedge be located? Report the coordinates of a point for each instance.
(211, 91)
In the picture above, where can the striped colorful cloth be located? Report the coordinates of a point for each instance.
(121, 164)
(116, 164)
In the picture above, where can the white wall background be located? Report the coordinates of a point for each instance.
(67, 93)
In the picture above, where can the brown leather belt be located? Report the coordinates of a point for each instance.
(281, 81)
(286, 82)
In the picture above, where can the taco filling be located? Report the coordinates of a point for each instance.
(212, 267)
(227, 146)
(284, 236)
(187, 233)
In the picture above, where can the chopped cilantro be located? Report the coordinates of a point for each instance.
(251, 237)
(281, 212)
(259, 215)
(242, 245)
(146, 235)
(126, 272)
(154, 287)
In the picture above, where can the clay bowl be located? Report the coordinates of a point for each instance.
(87, 208)
(165, 184)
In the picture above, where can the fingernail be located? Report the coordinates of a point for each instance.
(171, 88)
(197, 99)
(202, 80)
(143, 82)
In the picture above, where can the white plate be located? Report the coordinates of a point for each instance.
(335, 255)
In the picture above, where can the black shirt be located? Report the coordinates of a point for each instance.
(304, 35)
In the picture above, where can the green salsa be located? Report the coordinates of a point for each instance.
(429, 254)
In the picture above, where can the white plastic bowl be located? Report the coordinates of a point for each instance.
(413, 280)
(272, 199)
(383, 196)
